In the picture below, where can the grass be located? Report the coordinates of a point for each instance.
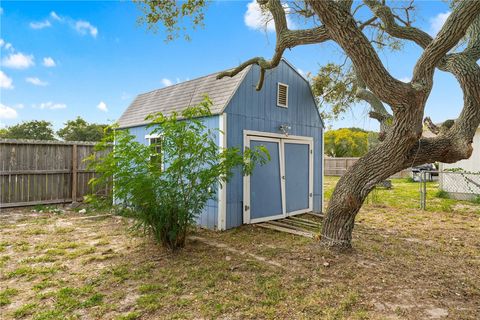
(405, 194)
(31, 272)
(6, 295)
(406, 263)
(25, 310)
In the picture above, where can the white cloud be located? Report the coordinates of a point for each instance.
(5, 81)
(80, 26)
(19, 106)
(437, 22)
(18, 61)
(102, 106)
(84, 27)
(7, 112)
(36, 82)
(256, 19)
(166, 82)
(55, 16)
(6, 45)
(405, 79)
(40, 24)
(50, 106)
(49, 62)
(125, 96)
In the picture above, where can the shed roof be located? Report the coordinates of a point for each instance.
(179, 96)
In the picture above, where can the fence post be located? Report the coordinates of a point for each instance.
(74, 173)
(423, 190)
(420, 189)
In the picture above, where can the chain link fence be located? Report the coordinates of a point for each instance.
(456, 185)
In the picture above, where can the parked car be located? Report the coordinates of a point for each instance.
(430, 172)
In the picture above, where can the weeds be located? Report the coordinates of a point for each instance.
(25, 310)
(442, 194)
(6, 294)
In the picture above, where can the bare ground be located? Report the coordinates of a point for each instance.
(407, 264)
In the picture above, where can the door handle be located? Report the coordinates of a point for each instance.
(283, 177)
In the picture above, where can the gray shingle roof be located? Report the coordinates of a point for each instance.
(179, 96)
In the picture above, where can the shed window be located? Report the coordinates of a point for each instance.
(157, 156)
(282, 95)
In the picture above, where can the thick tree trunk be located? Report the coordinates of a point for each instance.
(351, 191)
(389, 157)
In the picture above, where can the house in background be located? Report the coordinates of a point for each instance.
(463, 186)
(471, 164)
(283, 117)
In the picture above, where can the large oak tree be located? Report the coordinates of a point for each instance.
(398, 106)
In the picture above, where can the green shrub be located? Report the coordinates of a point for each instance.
(442, 194)
(167, 184)
(476, 200)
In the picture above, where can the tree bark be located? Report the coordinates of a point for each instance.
(359, 180)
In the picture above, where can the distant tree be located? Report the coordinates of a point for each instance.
(81, 130)
(3, 133)
(346, 142)
(35, 129)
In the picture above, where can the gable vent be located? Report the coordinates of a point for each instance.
(282, 95)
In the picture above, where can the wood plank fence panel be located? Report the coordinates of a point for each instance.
(338, 166)
(44, 172)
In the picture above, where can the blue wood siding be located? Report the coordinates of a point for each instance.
(209, 217)
(257, 110)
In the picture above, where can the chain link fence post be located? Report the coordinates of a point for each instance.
(454, 184)
(425, 190)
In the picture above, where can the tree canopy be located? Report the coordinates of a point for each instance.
(35, 129)
(349, 142)
(81, 130)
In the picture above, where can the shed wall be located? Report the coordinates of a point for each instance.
(257, 110)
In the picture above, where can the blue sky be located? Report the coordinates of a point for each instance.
(60, 60)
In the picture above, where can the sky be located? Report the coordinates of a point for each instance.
(60, 60)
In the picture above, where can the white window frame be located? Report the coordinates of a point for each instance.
(278, 96)
(149, 138)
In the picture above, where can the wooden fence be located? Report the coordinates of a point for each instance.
(338, 166)
(44, 172)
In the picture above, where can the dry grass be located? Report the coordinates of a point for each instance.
(406, 264)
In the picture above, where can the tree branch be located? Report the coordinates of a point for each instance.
(286, 39)
(379, 112)
(343, 29)
(431, 126)
(451, 33)
(385, 14)
(461, 65)
(473, 47)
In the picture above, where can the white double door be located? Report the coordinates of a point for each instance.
(283, 186)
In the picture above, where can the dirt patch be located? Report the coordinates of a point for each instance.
(406, 264)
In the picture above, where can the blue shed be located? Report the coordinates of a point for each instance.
(283, 117)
